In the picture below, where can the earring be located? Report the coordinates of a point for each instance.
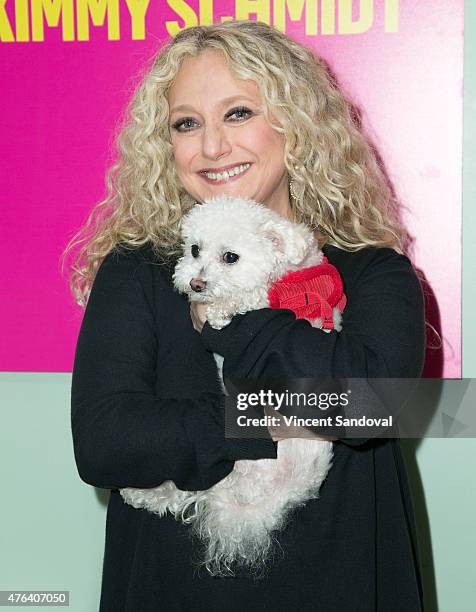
(292, 190)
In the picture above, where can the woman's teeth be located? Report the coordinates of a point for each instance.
(227, 173)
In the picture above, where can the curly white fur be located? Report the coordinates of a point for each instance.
(236, 517)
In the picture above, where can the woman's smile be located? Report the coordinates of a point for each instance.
(220, 176)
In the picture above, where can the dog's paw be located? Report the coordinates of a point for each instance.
(317, 323)
(219, 323)
(217, 317)
(337, 316)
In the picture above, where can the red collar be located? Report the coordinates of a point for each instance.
(310, 293)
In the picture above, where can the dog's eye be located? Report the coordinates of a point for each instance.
(230, 258)
(195, 250)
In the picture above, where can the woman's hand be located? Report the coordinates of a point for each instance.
(198, 313)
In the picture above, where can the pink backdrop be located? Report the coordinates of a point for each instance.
(65, 81)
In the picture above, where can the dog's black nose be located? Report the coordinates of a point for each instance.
(198, 284)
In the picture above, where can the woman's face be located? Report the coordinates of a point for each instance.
(217, 124)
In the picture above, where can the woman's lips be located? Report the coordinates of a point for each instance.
(226, 180)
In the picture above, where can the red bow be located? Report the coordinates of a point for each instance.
(310, 293)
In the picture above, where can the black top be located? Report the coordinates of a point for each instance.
(147, 407)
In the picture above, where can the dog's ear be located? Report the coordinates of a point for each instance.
(275, 238)
(292, 244)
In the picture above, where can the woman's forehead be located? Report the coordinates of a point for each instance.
(207, 76)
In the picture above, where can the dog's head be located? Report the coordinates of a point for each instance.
(234, 245)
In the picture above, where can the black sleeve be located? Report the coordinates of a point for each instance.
(123, 434)
(383, 332)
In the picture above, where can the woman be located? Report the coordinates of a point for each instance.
(146, 406)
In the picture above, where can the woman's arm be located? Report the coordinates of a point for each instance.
(123, 435)
(383, 329)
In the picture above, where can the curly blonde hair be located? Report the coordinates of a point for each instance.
(342, 191)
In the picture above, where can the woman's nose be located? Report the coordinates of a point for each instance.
(215, 142)
(198, 284)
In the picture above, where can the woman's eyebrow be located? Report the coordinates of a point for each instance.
(223, 102)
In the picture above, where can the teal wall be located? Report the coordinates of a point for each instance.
(52, 524)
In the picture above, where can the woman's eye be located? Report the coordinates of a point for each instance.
(187, 123)
(183, 123)
(242, 111)
(195, 250)
(230, 258)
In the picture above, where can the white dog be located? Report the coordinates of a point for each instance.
(234, 250)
